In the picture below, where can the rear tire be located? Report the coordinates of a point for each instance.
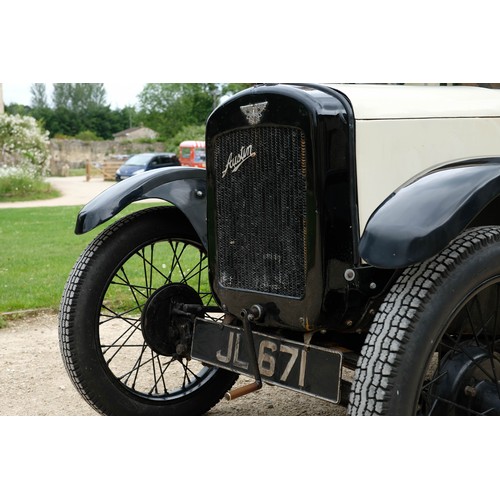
(124, 347)
(434, 346)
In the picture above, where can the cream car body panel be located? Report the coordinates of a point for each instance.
(389, 118)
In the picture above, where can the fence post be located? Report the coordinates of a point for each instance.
(87, 171)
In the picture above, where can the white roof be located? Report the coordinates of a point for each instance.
(371, 102)
(192, 144)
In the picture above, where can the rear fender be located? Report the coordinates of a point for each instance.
(423, 217)
(184, 187)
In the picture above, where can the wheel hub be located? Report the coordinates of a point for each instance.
(467, 382)
(167, 332)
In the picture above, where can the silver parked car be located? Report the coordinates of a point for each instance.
(144, 162)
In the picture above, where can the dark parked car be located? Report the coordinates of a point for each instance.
(146, 161)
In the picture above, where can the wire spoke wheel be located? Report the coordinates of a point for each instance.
(126, 319)
(463, 377)
(131, 352)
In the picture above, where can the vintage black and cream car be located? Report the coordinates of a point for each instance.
(343, 242)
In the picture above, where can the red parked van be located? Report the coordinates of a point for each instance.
(192, 153)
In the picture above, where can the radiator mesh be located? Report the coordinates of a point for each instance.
(261, 210)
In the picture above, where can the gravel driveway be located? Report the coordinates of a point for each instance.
(33, 380)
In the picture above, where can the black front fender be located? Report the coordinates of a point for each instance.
(420, 219)
(184, 187)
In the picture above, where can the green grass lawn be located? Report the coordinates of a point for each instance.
(38, 248)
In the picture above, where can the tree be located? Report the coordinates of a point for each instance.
(79, 96)
(168, 107)
(61, 96)
(88, 95)
(39, 96)
(79, 107)
(18, 109)
(165, 107)
(61, 121)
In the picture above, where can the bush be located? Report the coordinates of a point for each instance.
(24, 147)
(87, 135)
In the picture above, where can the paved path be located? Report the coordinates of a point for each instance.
(75, 191)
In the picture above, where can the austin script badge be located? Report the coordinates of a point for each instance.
(234, 162)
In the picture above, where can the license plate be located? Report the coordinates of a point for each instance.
(304, 368)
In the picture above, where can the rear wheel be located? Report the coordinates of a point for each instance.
(124, 336)
(434, 346)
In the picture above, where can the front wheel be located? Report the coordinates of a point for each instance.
(124, 339)
(434, 346)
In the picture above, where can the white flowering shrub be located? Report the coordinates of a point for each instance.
(24, 147)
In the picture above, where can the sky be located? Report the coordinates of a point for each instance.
(323, 42)
(118, 94)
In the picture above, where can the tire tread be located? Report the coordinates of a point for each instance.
(396, 318)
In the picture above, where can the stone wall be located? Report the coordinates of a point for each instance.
(72, 153)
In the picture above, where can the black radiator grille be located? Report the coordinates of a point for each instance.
(261, 210)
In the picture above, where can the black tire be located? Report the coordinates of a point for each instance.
(116, 348)
(434, 346)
